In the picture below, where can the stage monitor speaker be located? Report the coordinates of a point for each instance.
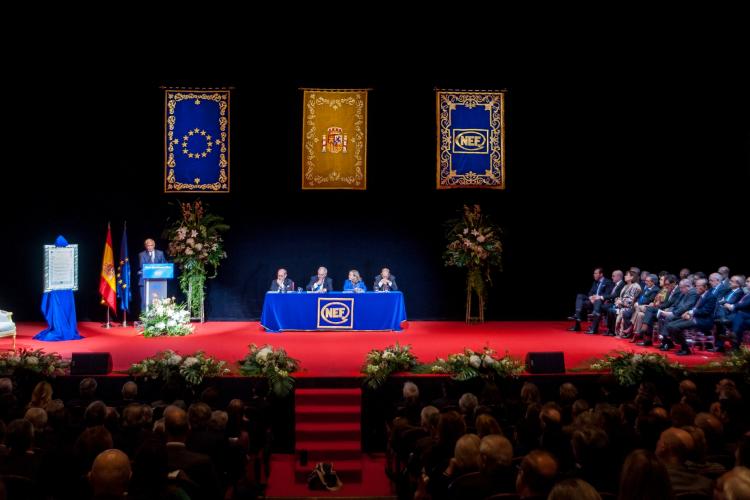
(91, 363)
(545, 362)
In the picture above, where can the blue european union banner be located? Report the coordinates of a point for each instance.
(123, 273)
(196, 152)
(471, 139)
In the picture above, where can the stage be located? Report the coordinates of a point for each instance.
(341, 354)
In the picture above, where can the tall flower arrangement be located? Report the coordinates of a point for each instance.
(474, 244)
(196, 246)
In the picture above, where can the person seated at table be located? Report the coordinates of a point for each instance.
(320, 283)
(385, 281)
(354, 283)
(282, 283)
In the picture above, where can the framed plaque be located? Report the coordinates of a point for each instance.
(60, 267)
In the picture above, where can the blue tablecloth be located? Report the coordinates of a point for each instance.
(373, 311)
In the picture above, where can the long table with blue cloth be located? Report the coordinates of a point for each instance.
(366, 311)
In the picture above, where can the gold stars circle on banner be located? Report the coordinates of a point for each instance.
(210, 143)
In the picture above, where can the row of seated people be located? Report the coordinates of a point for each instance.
(85, 448)
(637, 305)
(571, 448)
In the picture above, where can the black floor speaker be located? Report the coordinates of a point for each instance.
(91, 363)
(545, 362)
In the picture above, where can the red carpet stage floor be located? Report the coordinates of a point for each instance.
(341, 354)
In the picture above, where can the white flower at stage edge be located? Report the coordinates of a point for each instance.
(174, 360)
(263, 353)
(32, 360)
(388, 355)
(190, 361)
(160, 325)
(475, 361)
(488, 360)
(171, 322)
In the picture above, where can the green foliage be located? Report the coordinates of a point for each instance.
(166, 365)
(273, 364)
(379, 365)
(197, 247)
(32, 360)
(631, 369)
(484, 363)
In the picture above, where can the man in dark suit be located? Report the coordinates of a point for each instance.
(385, 281)
(609, 304)
(197, 466)
(685, 302)
(593, 301)
(739, 316)
(700, 317)
(149, 256)
(649, 317)
(320, 283)
(725, 306)
(282, 283)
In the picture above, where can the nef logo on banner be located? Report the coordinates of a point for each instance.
(470, 141)
(336, 313)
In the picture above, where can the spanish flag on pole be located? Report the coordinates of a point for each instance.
(107, 280)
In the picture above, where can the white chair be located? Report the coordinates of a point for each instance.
(7, 327)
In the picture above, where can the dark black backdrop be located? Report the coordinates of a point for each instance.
(618, 157)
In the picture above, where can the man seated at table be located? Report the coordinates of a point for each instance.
(354, 283)
(320, 283)
(282, 283)
(385, 281)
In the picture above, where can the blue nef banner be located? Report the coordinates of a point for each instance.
(196, 149)
(471, 139)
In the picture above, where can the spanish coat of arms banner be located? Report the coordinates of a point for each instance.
(196, 141)
(471, 139)
(334, 139)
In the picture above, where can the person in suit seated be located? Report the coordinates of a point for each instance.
(719, 288)
(649, 313)
(198, 467)
(723, 315)
(592, 302)
(647, 296)
(700, 317)
(738, 315)
(686, 301)
(625, 302)
(282, 283)
(320, 283)
(354, 283)
(609, 302)
(385, 281)
(149, 256)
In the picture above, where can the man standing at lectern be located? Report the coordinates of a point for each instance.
(149, 256)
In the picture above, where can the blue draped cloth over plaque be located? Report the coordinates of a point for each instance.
(59, 309)
(471, 139)
(367, 311)
(196, 141)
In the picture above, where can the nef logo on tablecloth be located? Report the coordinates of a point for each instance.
(336, 313)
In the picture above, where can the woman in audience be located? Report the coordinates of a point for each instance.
(41, 396)
(644, 477)
(625, 303)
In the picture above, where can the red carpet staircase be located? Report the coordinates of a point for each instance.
(328, 429)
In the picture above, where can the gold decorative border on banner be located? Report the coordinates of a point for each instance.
(311, 138)
(172, 97)
(493, 101)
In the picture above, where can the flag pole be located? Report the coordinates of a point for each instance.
(124, 318)
(107, 324)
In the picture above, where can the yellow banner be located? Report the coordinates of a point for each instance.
(334, 139)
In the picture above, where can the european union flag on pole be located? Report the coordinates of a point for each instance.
(123, 273)
(471, 139)
(196, 141)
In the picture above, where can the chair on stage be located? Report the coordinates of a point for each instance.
(7, 327)
(697, 337)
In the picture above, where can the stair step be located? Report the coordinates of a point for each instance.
(330, 413)
(328, 396)
(329, 451)
(349, 471)
(318, 431)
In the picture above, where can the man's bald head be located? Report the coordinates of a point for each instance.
(537, 474)
(467, 452)
(687, 386)
(110, 474)
(495, 451)
(734, 485)
(674, 445)
(175, 423)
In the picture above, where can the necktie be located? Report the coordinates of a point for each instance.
(599, 288)
(151, 254)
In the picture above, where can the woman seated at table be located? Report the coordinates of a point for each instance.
(354, 283)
